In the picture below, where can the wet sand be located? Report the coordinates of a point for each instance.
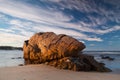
(44, 72)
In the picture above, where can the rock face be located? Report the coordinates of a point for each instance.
(81, 63)
(61, 51)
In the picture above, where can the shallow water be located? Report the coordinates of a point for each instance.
(11, 58)
(14, 58)
(114, 65)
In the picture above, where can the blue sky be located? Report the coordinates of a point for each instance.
(94, 22)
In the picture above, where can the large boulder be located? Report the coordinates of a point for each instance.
(43, 47)
(61, 51)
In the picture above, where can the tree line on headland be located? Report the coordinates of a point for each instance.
(10, 48)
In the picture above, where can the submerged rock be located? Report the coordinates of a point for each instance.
(21, 65)
(61, 51)
(107, 57)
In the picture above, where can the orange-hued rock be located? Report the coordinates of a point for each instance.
(61, 51)
(43, 47)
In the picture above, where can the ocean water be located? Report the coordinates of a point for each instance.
(15, 57)
(11, 58)
(114, 65)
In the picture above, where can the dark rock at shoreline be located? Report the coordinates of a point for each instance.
(17, 58)
(10, 48)
(81, 63)
(21, 65)
(60, 51)
(107, 57)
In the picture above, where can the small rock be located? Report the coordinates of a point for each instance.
(21, 65)
(19, 57)
(107, 57)
(12, 58)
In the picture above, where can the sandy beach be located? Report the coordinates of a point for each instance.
(44, 72)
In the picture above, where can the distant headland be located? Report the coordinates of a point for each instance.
(10, 48)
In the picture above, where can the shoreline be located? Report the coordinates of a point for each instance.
(45, 72)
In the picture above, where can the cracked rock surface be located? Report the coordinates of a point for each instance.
(60, 51)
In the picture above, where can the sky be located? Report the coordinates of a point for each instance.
(96, 23)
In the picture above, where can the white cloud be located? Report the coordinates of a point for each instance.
(9, 39)
(37, 19)
(98, 31)
(32, 13)
(21, 24)
(115, 28)
(94, 39)
(3, 17)
(73, 33)
(44, 17)
(90, 6)
(16, 23)
(5, 30)
(24, 28)
(53, 18)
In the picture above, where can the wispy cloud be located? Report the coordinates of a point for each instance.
(11, 39)
(29, 19)
(73, 33)
(3, 17)
(114, 28)
(5, 30)
(108, 10)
